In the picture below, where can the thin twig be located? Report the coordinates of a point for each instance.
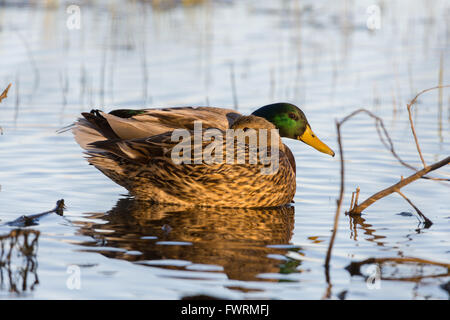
(379, 123)
(357, 195)
(3, 96)
(415, 136)
(351, 202)
(338, 209)
(394, 188)
(5, 93)
(32, 219)
(428, 222)
(357, 209)
(389, 145)
(409, 105)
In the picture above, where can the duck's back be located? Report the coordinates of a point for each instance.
(129, 124)
(132, 147)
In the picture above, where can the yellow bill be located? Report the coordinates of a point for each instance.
(310, 138)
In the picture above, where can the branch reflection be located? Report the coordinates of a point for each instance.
(18, 261)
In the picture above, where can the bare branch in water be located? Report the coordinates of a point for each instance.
(25, 221)
(339, 203)
(389, 145)
(394, 188)
(356, 208)
(409, 105)
(428, 222)
(3, 96)
(5, 93)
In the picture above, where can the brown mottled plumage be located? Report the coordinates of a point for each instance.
(133, 148)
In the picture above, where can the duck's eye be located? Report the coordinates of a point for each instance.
(293, 116)
(245, 129)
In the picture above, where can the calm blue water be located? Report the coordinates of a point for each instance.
(321, 57)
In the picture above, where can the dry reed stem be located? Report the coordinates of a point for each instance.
(389, 145)
(339, 203)
(5, 93)
(394, 188)
(357, 196)
(24, 221)
(409, 105)
(379, 123)
(351, 202)
(428, 222)
(357, 209)
(3, 96)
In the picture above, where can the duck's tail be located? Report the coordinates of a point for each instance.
(93, 127)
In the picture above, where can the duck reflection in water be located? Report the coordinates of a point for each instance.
(238, 240)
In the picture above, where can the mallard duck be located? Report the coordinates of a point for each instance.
(136, 148)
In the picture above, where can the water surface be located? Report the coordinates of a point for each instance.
(234, 54)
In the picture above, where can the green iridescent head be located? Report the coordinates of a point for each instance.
(292, 123)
